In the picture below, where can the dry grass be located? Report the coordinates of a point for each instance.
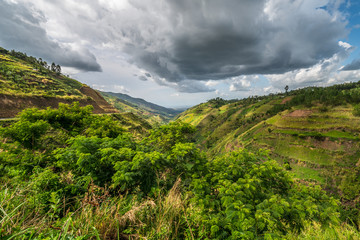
(127, 218)
(314, 231)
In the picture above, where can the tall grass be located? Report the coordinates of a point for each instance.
(16, 217)
(314, 231)
(126, 217)
(98, 216)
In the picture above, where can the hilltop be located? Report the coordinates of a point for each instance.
(153, 113)
(29, 82)
(313, 132)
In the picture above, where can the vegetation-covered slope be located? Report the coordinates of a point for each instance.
(314, 132)
(153, 113)
(29, 82)
(68, 174)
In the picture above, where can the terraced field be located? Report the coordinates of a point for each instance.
(314, 139)
(28, 82)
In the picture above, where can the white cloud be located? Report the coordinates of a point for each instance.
(212, 83)
(241, 83)
(270, 89)
(120, 89)
(113, 88)
(324, 73)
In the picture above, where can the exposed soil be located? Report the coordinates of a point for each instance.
(285, 100)
(100, 101)
(326, 144)
(233, 146)
(10, 105)
(299, 113)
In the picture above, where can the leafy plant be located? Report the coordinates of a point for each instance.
(249, 196)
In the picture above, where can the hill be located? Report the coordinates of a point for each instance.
(29, 82)
(153, 113)
(314, 132)
(70, 174)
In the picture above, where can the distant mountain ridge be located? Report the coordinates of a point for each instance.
(148, 110)
(141, 102)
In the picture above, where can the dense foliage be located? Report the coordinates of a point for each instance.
(67, 174)
(313, 132)
(247, 196)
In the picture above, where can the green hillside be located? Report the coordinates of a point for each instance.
(313, 132)
(29, 82)
(68, 174)
(243, 169)
(153, 113)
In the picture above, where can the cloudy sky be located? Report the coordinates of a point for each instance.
(183, 52)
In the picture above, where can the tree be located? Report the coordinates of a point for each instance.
(166, 137)
(44, 64)
(286, 89)
(53, 67)
(58, 69)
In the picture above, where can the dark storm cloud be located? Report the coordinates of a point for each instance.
(186, 86)
(354, 65)
(20, 29)
(143, 78)
(181, 41)
(192, 87)
(201, 40)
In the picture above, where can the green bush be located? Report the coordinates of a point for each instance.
(356, 110)
(27, 133)
(247, 196)
(85, 176)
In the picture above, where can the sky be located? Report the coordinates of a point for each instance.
(179, 53)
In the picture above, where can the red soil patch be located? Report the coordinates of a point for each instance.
(299, 113)
(10, 105)
(98, 99)
(285, 100)
(327, 144)
(233, 146)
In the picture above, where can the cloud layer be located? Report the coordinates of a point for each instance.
(202, 40)
(326, 72)
(184, 44)
(21, 29)
(354, 65)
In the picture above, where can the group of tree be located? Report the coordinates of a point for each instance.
(53, 67)
(56, 68)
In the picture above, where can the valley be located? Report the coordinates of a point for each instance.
(76, 163)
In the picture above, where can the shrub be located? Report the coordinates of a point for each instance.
(356, 110)
(27, 133)
(245, 196)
